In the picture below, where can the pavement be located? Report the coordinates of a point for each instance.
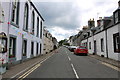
(24, 66)
(107, 60)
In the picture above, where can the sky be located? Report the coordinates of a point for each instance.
(64, 18)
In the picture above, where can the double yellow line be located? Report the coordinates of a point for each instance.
(28, 72)
(111, 66)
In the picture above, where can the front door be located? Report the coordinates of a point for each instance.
(95, 47)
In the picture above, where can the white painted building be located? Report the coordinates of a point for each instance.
(23, 25)
(106, 39)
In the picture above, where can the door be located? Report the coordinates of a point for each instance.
(95, 47)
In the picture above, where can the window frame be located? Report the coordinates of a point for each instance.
(40, 48)
(32, 48)
(37, 27)
(26, 17)
(24, 53)
(12, 53)
(102, 44)
(41, 23)
(37, 48)
(89, 45)
(15, 14)
(33, 23)
(116, 43)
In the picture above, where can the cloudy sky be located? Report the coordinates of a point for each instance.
(64, 18)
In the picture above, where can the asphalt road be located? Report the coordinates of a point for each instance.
(65, 64)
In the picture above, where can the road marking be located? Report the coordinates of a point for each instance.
(75, 71)
(31, 66)
(111, 66)
(69, 58)
(31, 71)
(67, 54)
(28, 72)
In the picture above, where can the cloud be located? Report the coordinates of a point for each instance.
(61, 33)
(69, 15)
(59, 14)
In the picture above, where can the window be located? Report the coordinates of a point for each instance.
(32, 48)
(12, 47)
(46, 34)
(102, 45)
(41, 30)
(40, 48)
(89, 45)
(38, 27)
(116, 17)
(15, 12)
(26, 13)
(37, 47)
(82, 47)
(116, 42)
(3, 45)
(24, 47)
(33, 19)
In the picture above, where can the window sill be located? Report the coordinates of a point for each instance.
(14, 24)
(25, 30)
(116, 51)
(11, 56)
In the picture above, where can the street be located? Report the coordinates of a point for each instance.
(64, 64)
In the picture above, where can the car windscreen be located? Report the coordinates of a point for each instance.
(82, 47)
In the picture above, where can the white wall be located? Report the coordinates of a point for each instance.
(19, 32)
(110, 33)
(110, 45)
(98, 38)
(91, 51)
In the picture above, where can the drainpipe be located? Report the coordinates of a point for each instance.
(106, 43)
(93, 45)
(8, 32)
(119, 31)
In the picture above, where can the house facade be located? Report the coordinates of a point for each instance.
(105, 37)
(22, 24)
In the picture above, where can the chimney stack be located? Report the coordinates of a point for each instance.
(91, 23)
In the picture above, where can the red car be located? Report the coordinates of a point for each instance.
(81, 50)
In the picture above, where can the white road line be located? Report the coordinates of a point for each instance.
(69, 58)
(75, 71)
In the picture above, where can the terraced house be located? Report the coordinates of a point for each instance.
(104, 39)
(21, 32)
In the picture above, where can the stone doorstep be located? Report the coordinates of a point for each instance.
(107, 60)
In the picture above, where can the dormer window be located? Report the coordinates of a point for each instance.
(117, 14)
(116, 17)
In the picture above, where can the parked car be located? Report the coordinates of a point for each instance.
(71, 48)
(81, 50)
